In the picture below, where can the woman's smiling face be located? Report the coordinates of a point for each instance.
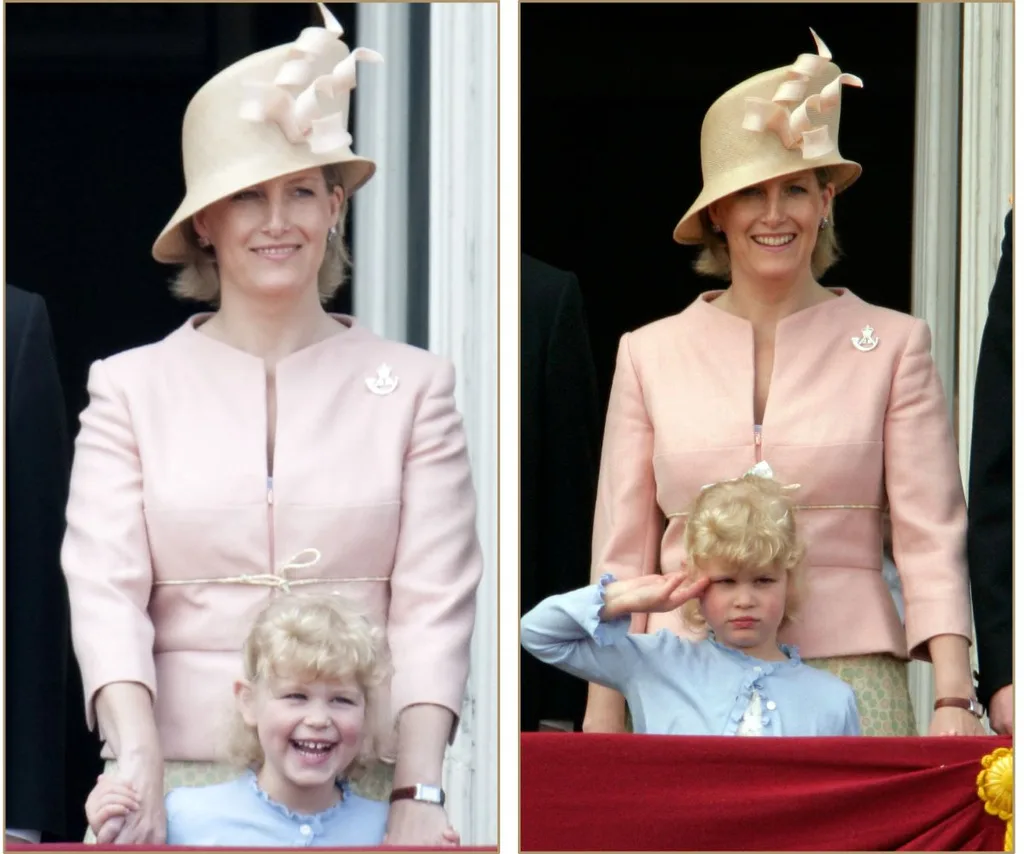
(771, 228)
(270, 238)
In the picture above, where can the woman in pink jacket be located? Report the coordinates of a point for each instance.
(268, 446)
(840, 397)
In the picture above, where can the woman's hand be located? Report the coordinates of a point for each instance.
(953, 721)
(951, 665)
(650, 594)
(1000, 710)
(147, 824)
(108, 804)
(420, 825)
(125, 713)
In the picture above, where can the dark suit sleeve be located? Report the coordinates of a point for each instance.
(572, 443)
(37, 465)
(990, 505)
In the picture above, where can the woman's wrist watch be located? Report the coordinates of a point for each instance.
(420, 792)
(967, 703)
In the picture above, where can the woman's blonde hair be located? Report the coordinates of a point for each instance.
(310, 638)
(713, 259)
(748, 522)
(199, 280)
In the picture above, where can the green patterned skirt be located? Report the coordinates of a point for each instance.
(375, 784)
(880, 685)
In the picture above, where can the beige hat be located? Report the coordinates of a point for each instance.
(769, 126)
(275, 112)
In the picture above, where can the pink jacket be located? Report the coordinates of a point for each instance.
(170, 484)
(853, 428)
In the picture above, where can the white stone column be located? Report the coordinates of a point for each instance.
(986, 184)
(380, 209)
(463, 279)
(936, 189)
(936, 226)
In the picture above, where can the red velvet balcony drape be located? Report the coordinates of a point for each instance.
(645, 792)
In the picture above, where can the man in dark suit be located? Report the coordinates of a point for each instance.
(559, 457)
(45, 720)
(990, 505)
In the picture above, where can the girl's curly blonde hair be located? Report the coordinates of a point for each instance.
(310, 638)
(747, 522)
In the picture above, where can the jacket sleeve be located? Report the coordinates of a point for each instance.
(566, 632)
(105, 555)
(627, 522)
(438, 563)
(926, 499)
(990, 508)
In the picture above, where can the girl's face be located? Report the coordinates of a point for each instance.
(744, 607)
(772, 227)
(310, 733)
(270, 239)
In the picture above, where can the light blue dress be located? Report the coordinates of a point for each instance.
(680, 687)
(240, 814)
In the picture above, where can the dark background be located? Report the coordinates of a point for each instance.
(612, 100)
(94, 101)
(95, 97)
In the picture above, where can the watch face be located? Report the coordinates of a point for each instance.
(431, 794)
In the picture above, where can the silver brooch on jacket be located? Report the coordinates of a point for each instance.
(867, 341)
(384, 382)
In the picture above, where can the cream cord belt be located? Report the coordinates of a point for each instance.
(303, 560)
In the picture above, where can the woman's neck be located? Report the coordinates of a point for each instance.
(765, 303)
(272, 328)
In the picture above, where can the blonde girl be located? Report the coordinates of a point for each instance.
(300, 734)
(743, 581)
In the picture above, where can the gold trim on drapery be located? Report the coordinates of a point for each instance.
(995, 788)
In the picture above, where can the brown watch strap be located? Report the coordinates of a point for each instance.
(969, 705)
(419, 792)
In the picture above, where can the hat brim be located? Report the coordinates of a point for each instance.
(172, 248)
(688, 230)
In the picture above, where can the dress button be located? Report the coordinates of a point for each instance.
(757, 669)
(770, 704)
(306, 830)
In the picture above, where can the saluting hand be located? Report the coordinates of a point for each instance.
(650, 594)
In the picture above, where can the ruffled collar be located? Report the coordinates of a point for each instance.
(343, 788)
(792, 654)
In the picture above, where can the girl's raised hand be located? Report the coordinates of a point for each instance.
(650, 594)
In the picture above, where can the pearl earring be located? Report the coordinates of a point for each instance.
(204, 242)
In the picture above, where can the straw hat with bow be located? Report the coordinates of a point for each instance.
(774, 124)
(275, 112)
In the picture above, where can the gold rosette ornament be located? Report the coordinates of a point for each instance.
(995, 788)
